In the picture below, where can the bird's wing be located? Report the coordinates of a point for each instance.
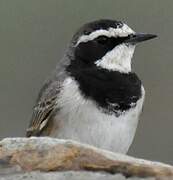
(43, 110)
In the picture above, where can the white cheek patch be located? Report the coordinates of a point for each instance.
(111, 32)
(119, 59)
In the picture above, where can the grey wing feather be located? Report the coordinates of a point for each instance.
(45, 107)
(46, 104)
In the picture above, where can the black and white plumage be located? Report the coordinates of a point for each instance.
(93, 96)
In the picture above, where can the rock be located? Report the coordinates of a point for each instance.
(49, 158)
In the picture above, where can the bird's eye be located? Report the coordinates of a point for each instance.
(131, 35)
(102, 39)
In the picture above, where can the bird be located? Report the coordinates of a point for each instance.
(93, 96)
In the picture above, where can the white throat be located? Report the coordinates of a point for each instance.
(119, 59)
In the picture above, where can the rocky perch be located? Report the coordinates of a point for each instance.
(56, 159)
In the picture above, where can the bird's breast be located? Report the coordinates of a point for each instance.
(80, 119)
(113, 91)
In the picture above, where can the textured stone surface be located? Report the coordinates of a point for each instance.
(20, 158)
(69, 176)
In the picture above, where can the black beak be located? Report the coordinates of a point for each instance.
(139, 37)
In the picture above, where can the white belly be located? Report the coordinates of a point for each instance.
(81, 120)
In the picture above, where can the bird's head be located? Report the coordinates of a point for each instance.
(107, 44)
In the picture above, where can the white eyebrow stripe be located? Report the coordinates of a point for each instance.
(111, 32)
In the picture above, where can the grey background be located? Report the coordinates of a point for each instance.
(34, 35)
